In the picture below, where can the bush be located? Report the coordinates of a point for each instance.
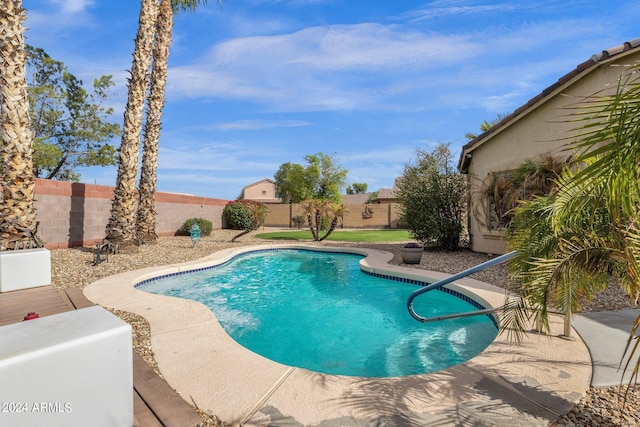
(237, 214)
(430, 193)
(299, 221)
(205, 226)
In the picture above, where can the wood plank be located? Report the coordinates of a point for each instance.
(77, 298)
(43, 300)
(143, 417)
(163, 401)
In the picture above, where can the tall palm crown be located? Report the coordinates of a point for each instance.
(18, 225)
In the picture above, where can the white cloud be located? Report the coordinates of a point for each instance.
(379, 67)
(73, 6)
(341, 67)
(438, 10)
(260, 124)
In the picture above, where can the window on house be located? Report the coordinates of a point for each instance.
(264, 192)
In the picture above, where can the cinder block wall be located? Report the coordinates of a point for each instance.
(384, 215)
(73, 214)
(279, 215)
(355, 216)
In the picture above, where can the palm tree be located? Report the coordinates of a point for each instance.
(573, 240)
(146, 215)
(317, 209)
(121, 228)
(18, 224)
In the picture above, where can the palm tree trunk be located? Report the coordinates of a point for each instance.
(121, 228)
(313, 229)
(334, 223)
(318, 225)
(18, 224)
(146, 217)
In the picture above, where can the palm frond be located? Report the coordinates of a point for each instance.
(514, 319)
(629, 353)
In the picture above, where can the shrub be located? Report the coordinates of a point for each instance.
(298, 221)
(205, 226)
(430, 195)
(237, 213)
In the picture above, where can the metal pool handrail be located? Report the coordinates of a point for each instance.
(460, 275)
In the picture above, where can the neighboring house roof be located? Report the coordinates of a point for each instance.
(355, 199)
(386, 193)
(270, 181)
(579, 72)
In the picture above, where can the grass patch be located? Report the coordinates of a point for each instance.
(363, 236)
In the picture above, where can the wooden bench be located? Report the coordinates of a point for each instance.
(155, 403)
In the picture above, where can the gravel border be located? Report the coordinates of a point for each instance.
(73, 268)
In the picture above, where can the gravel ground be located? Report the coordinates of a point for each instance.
(73, 268)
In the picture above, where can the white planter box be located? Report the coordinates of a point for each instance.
(27, 268)
(69, 369)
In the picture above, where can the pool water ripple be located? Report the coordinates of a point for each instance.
(317, 310)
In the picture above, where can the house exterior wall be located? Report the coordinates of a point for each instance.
(540, 130)
(73, 214)
(262, 190)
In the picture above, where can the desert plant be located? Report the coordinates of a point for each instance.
(205, 226)
(500, 193)
(590, 226)
(237, 215)
(256, 213)
(321, 215)
(298, 221)
(430, 195)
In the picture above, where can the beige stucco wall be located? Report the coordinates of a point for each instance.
(539, 130)
(262, 190)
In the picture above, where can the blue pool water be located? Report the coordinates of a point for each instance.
(319, 311)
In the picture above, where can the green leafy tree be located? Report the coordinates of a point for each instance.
(373, 197)
(357, 188)
(430, 196)
(292, 183)
(321, 178)
(70, 126)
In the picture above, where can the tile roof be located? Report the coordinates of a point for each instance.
(584, 67)
(386, 193)
(270, 181)
(355, 199)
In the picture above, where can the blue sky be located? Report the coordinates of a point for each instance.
(258, 83)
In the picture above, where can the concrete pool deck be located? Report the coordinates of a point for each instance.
(506, 384)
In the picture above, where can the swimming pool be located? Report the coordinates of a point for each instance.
(318, 310)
